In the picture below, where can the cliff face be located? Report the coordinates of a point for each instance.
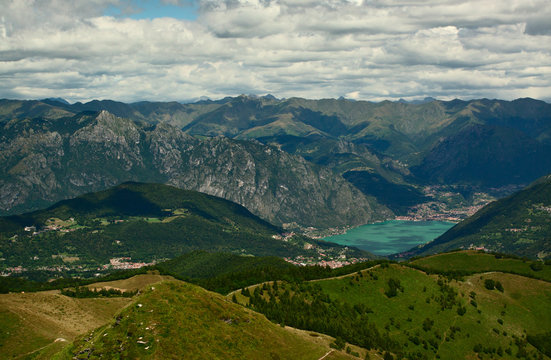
(45, 161)
(273, 184)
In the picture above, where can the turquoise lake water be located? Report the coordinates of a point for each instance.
(392, 236)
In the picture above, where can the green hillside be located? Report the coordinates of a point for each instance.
(486, 313)
(148, 201)
(468, 262)
(519, 224)
(177, 320)
(416, 316)
(135, 223)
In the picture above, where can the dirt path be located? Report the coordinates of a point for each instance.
(326, 355)
(346, 275)
(22, 356)
(251, 287)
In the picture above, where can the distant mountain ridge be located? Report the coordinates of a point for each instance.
(366, 122)
(44, 160)
(417, 134)
(519, 224)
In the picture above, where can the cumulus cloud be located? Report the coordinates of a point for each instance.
(361, 49)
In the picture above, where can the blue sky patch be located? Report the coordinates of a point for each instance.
(151, 9)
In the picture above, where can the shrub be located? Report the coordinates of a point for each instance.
(427, 324)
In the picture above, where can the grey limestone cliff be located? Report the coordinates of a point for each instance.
(45, 161)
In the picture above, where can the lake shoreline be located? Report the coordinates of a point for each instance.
(391, 236)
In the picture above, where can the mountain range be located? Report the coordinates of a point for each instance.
(210, 192)
(412, 133)
(296, 163)
(47, 159)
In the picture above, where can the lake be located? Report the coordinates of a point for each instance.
(391, 236)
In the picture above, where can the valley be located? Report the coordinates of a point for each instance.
(275, 180)
(255, 227)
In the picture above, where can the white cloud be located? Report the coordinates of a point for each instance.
(326, 48)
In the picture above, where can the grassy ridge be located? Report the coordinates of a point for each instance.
(32, 322)
(471, 262)
(178, 320)
(223, 272)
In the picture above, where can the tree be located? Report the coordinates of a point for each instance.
(489, 284)
(393, 287)
(338, 343)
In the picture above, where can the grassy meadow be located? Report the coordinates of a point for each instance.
(44, 322)
(426, 316)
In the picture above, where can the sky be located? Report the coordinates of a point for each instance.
(182, 50)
